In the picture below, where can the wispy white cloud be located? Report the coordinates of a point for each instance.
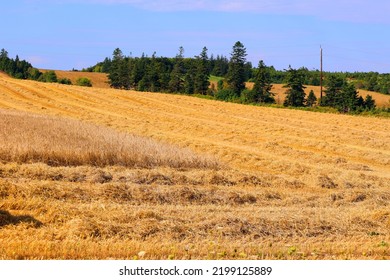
(345, 10)
(36, 59)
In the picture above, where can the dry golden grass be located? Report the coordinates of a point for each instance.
(35, 138)
(300, 185)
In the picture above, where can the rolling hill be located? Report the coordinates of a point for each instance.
(100, 80)
(291, 184)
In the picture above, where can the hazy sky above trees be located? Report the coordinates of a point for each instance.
(61, 34)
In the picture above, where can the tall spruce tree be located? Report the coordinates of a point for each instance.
(219, 66)
(348, 99)
(202, 75)
(295, 95)
(124, 72)
(334, 85)
(114, 76)
(369, 103)
(236, 76)
(3, 54)
(189, 81)
(263, 86)
(176, 83)
(311, 99)
(154, 71)
(140, 72)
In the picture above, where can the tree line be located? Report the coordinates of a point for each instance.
(192, 76)
(372, 81)
(219, 65)
(216, 66)
(163, 74)
(339, 94)
(21, 69)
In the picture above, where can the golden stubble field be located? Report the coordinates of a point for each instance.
(290, 184)
(99, 80)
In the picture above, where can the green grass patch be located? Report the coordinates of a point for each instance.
(215, 78)
(202, 96)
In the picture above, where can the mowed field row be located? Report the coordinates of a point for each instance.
(299, 146)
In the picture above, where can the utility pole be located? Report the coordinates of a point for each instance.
(321, 75)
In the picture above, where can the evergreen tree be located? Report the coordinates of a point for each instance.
(141, 77)
(348, 99)
(202, 75)
(262, 87)
(166, 65)
(176, 84)
(220, 85)
(106, 65)
(3, 54)
(248, 70)
(4, 60)
(248, 96)
(124, 73)
(189, 82)
(219, 66)
(154, 71)
(311, 99)
(295, 95)
(371, 81)
(236, 76)
(369, 103)
(138, 71)
(360, 103)
(334, 86)
(116, 69)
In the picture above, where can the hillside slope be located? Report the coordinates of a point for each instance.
(100, 80)
(297, 184)
(248, 137)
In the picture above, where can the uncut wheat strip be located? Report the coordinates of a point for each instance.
(27, 137)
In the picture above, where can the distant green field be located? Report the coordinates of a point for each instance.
(215, 78)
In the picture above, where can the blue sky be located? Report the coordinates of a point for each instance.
(61, 34)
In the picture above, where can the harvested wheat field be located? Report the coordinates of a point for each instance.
(98, 79)
(131, 175)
